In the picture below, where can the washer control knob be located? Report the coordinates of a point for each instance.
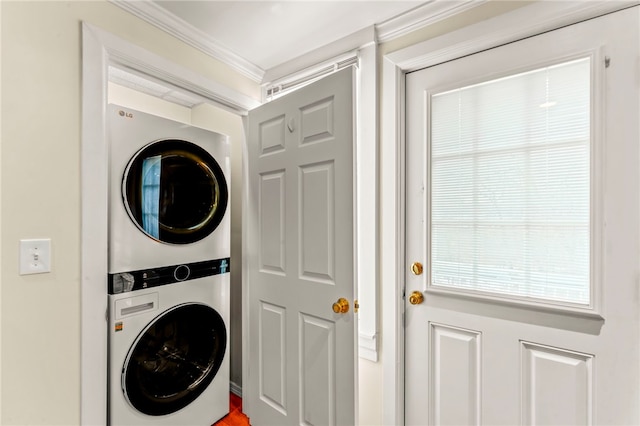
(181, 273)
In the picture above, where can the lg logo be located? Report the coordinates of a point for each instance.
(125, 114)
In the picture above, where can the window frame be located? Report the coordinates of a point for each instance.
(593, 308)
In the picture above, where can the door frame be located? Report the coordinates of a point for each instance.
(539, 17)
(99, 50)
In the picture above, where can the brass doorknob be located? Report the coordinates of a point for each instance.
(416, 298)
(341, 306)
(416, 268)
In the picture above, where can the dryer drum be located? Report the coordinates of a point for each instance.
(174, 359)
(175, 191)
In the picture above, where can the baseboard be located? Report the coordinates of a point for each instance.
(235, 389)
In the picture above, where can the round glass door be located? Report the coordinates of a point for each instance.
(174, 359)
(175, 191)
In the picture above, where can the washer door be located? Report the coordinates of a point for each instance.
(174, 359)
(175, 191)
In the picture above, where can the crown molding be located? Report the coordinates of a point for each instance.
(417, 18)
(536, 18)
(159, 17)
(310, 62)
(422, 16)
(142, 62)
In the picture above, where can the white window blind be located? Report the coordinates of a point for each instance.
(510, 185)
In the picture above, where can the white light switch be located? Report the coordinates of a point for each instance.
(35, 256)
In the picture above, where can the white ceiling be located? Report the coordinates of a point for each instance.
(270, 33)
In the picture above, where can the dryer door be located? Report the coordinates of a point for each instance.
(174, 359)
(175, 191)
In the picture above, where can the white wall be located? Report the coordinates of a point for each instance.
(369, 393)
(40, 193)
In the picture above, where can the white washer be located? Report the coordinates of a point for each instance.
(169, 195)
(168, 346)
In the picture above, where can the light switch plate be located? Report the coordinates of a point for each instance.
(35, 256)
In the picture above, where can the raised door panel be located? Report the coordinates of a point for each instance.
(272, 356)
(272, 135)
(317, 371)
(317, 121)
(316, 221)
(454, 375)
(556, 386)
(271, 208)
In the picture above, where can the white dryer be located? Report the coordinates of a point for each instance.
(169, 193)
(168, 345)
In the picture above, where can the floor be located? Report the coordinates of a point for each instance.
(235, 417)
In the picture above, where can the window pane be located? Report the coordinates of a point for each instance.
(510, 185)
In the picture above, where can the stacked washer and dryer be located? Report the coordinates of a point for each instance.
(168, 284)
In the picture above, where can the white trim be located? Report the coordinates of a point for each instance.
(367, 201)
(419, 17)
(415, 19)
(531, 20)
(392, 241)
(235, 389)
(597, 214)
(127, 55)
(99, 50)
(368, 347)
(316, 58)
(422, 16)
(291, 82)
(156, 15)
(520, 23)
(1, 239)
(94, 182)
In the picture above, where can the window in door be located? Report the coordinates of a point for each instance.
(510, 185)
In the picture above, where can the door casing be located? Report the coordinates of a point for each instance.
(101, 49)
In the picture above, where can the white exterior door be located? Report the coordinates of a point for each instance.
(300, 257)
(528, 233)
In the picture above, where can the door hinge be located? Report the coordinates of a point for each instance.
(607, 61)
